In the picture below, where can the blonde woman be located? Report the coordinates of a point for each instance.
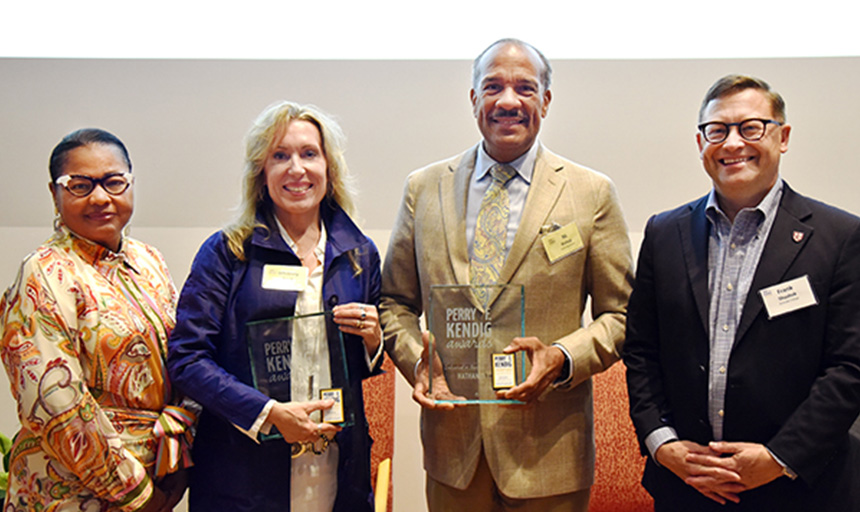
(295, 215)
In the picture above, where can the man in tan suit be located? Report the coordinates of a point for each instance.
(539, 456)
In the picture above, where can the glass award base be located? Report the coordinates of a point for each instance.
(469, 326)
(272, 345)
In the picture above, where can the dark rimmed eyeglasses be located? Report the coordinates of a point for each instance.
(82, 186)
(749, 129)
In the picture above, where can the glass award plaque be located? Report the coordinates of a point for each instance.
(469, 327)
(271, 347)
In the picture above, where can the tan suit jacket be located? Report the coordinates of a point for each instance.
(546, 448)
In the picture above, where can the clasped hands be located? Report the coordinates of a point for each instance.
(547, 362)
(722, 470)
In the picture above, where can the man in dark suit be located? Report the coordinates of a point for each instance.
(743, 331)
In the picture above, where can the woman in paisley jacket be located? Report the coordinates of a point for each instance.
(84, 340)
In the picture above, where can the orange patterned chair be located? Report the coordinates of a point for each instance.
(379, 406)
(619, 466)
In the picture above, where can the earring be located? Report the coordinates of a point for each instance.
(58, 219)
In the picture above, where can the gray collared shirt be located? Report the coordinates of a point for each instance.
(734, 251)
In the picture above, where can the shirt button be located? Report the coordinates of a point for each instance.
(721, 413)
(729, 287)
(734, 246)
(722, 369)
(725, 327)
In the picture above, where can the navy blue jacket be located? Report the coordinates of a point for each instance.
(208, 361)
(793, 380)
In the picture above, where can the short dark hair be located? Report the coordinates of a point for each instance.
(731, 84)
(545, 74)
(83, 137)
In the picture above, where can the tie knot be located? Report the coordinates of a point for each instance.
(502, 173)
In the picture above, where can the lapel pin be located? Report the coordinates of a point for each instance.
(549, 228)
(797, 236)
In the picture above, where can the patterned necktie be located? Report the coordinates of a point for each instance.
(491, 233)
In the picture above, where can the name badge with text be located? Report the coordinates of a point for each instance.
(293, 278)
(504, 376)
(335, 414)
(789, 296)
(562, 242)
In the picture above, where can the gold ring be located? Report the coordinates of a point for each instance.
(361, 324)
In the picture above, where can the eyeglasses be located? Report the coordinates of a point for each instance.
(82, 186)
(749, 129)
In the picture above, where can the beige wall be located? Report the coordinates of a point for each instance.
(183, 122)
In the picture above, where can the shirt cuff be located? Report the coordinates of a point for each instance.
(372, 361)
(566, 375)
(261, 424)
(658, 438)
(415, 370)
(787, 471)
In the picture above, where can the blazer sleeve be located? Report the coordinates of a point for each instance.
(814, 432)
(194, 343)
(608, 278)
(649, 407)
(373, 288)
(401, 301)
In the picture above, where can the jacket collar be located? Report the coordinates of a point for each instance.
(343, 235)
(776, 257)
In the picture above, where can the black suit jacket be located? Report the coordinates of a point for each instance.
(794, 380)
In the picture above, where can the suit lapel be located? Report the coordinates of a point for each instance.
(693, 229)
(780, 250)
(544, 190)
(453, 191)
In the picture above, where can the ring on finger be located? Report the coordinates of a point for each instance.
(363, 314)
(361, 324)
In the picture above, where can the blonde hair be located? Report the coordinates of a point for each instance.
(261, 138)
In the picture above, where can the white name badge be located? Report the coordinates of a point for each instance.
(789, 296)
(335, 414)
(503, 371)
(292, 278)
(562, 242)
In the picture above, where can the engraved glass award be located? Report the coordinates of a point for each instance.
(272, 347)
(470, 325)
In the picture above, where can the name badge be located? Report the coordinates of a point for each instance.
(503, 371)
(335, 414)
(562, 242)
(292, 278)
(789, 296)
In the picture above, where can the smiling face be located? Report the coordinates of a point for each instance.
(509, 101)
(743, 172)
(295, 172)
(99, 217)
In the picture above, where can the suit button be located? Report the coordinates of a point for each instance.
(332, 301)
